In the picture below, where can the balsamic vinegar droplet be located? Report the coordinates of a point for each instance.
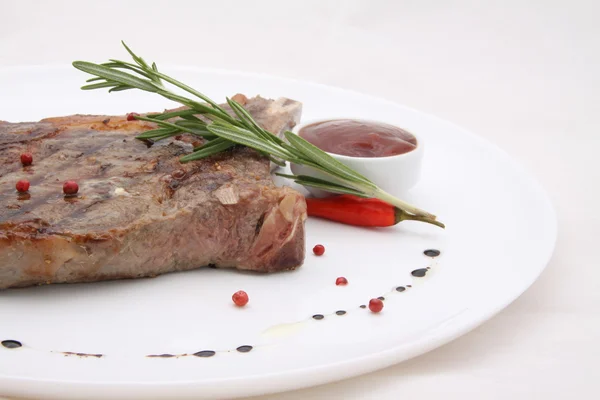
(419, 273)
(11, 344)
(400, 289)
(432, 253)
(205, 353)
(341, 312)
(244, 349)
(363, 306)
(156, 355)
(381, 298)
(318, 316)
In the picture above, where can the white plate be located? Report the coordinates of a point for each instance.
(501, 233)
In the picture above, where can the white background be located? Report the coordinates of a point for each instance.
(523, 74)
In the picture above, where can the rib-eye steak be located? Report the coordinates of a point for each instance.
(139, 211)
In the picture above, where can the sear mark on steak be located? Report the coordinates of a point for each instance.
(139, 211)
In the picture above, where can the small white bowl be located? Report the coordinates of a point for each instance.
(394, 174)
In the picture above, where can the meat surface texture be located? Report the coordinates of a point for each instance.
(139, 211)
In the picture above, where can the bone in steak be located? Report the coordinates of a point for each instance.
(139, 211)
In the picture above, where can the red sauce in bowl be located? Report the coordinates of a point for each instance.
(356, 138)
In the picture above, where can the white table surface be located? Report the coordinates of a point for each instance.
(523, 74)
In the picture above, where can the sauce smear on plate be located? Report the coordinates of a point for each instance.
(356, 138)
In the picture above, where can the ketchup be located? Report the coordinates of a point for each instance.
(358, 138)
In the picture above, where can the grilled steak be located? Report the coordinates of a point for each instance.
(139, 211)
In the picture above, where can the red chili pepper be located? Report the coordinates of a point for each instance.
(353, 210)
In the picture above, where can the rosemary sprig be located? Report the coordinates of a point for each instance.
(224, 130)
